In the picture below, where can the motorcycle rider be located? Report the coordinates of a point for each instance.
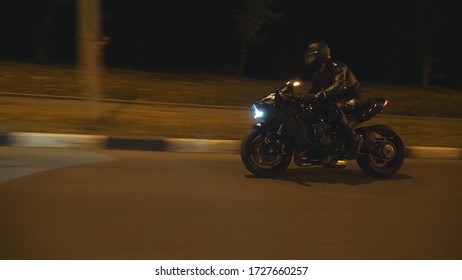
(334, 83)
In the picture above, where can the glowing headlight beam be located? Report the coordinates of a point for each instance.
(258, 113)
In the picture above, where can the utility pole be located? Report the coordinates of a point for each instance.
(90, 49)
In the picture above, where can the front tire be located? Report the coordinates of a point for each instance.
(264, 157)
(388, 156)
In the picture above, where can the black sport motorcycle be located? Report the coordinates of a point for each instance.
(267, 150)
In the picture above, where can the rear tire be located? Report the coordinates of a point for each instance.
(387, 158)
(263, 158)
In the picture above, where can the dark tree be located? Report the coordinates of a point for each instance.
(425, 23)
(250, 21)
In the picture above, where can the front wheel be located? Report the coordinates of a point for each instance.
(388, 155)
(264, 155)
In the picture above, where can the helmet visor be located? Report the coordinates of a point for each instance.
(311, 57)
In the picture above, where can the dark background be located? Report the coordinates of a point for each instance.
(382, 41)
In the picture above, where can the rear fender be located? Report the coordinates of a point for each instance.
(372, 107)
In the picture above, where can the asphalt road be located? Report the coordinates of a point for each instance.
(102, 204)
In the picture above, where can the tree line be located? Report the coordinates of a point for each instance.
(385, 41)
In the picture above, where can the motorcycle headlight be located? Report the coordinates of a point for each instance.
(257, 113)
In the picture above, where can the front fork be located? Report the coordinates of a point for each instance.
(276, 136)
(273, 139)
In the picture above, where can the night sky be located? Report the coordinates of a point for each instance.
(382, 41)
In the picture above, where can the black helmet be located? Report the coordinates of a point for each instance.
(316, 54)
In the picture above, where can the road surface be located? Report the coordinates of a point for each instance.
(103, 204)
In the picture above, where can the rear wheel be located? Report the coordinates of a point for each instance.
(263, 155)
(388, 156)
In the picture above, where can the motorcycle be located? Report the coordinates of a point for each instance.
(268, 148)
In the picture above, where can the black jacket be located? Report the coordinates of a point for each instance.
(337, 81)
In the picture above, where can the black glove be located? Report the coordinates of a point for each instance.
(314, 98)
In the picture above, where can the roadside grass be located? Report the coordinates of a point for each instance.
(211, 89)
(132, 120)
(66, 116)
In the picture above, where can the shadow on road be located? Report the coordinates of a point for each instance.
(308, 176)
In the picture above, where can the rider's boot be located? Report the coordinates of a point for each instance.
(301, 158)
(332, 162)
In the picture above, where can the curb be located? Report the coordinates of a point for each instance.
(26, 139)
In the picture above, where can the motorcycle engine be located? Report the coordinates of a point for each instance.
(321, 130)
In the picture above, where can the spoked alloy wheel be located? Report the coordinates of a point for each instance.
(263, 156)
(387, 158)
